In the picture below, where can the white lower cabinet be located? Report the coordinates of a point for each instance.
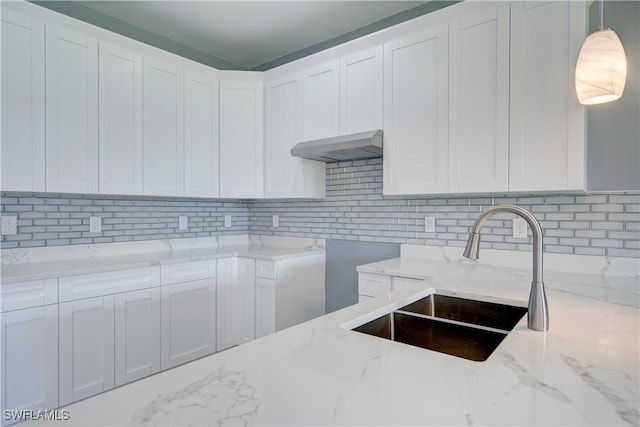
(187, 312)
(372, 285)
(108, 330)
(137, 334)
(265, 306)
(29, 343)
(30, 359)
(227, 303)
(288, 292)
(187, 321)
(69, 338)
(247, 300)
(86, 348)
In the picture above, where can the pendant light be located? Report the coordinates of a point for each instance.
(601, 71)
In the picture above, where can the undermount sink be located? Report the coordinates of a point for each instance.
(492, 315)
(460, 327)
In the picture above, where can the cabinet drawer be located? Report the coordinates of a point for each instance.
(404, 282)
(112, 282)
(34, 293)
(373, 285)
(187, 271)
(266, 269)
(362, 298)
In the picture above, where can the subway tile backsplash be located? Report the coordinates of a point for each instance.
(46, 219)
(354, 209)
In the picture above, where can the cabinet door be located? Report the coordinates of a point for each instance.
(201, 138)
(137, 334)
(23, 100)
(163, 132)
(285, 175)
(227, 300)
(187, 321)
(547, 121)
(72, 112)
(321, 101)
(265, 307)
(479, 99)
(361, 90)
(247, 300)
(415, 113)
(86, 348)
(30, 359)
(241, 139)
(120, 134)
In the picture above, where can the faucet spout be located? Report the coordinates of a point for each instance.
(538, 312)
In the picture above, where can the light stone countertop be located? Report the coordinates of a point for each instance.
(583, 371)
(24, 265)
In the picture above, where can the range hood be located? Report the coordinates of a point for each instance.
(357, 146)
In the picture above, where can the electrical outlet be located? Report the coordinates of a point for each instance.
(429, 224)
(95, 224)
(276, 221)
(519, 228)
(9, 225)
(227, 220)
(182, 222)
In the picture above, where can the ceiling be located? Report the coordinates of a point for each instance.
(239, 34)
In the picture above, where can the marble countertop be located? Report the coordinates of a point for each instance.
(583, 371)
(118, 257)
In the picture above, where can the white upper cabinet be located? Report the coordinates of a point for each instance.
(163, 128)
(120, 130)
(241, 135)
(415, 112)
(72, 112)
(201, 138)
(361, 90)
(285, 175)
(23, 99)
(547, 122)
(479, 98)
(321, 101)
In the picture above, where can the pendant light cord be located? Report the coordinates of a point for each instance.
(601, 15)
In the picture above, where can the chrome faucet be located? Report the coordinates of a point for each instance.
(538, 312)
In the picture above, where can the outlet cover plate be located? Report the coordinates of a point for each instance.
(9, 225)
(95, 224)
(276, 221)
(227, 220)
(182, 222)
(519, 228)
(429, 224)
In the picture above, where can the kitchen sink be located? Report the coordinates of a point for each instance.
(493, 315)
(461, 327)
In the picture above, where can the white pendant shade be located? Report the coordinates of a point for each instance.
(601, 72)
